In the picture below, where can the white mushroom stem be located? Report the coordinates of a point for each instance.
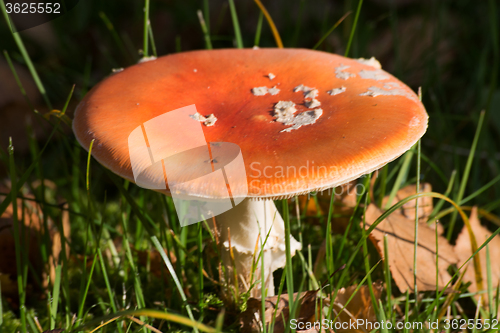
(239, 228)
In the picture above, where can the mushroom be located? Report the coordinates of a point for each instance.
(370, 121)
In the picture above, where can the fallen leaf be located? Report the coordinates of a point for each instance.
(8, 265)
(311, 304)
(251, 319)
(344, 203)
(463, 250)
(360, 306)
(32, 216)
(425, 205)
(400, 238)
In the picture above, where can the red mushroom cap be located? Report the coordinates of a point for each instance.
(366, 117)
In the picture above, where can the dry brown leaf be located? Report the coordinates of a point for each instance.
(360, 307)
(55, 235)
(251, 319)
(463, 250)
(345, 201)
(425, 205)
(7, 244)
(33, 222)
(400, 238)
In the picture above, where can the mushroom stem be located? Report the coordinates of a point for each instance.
(239, 228)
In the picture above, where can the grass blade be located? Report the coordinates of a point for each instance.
(357, 289)
(236, 25)
(322, 39)
(351, 37)
(204, 28)
(115, 36)
(21, 266)
(26, 57)
(415, 242)
(174, 277)
(269, 19)
(149, 313)
(388, 279)
(366, 254)
(145, 32)
(480, 190)
(288, 265)
(330, 259)
(403, 172)
(206, 10)
(152, 40)
(18, 81)
(489, 282)
(258, 31)
(5, 203)
(467, 170)
(87, 286)
(148, 225)
(55, 297)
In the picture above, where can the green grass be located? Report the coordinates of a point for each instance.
(106, 279)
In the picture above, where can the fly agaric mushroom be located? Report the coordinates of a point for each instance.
(290, 145)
